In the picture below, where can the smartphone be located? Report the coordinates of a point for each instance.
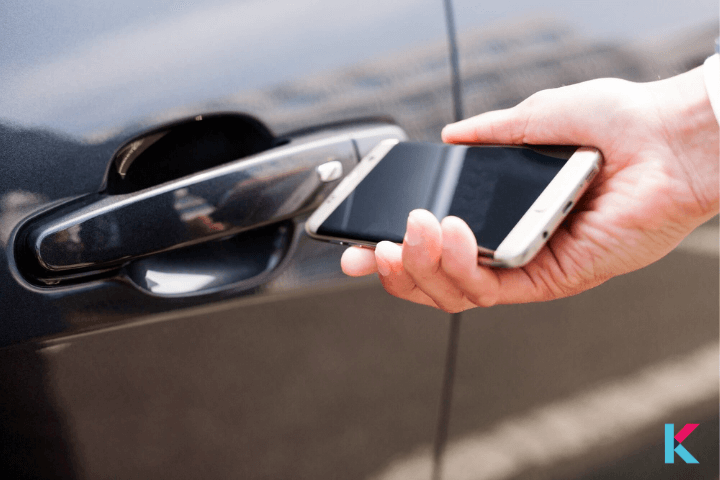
(511, 197)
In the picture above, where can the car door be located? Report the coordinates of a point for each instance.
(582, 387)
(163, 313)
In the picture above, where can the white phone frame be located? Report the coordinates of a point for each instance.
(524, 240)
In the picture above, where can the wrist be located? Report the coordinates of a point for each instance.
(711, 73)
(693, 136)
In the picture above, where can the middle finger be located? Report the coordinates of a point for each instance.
(421, 256)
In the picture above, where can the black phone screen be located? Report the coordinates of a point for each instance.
(489, 187)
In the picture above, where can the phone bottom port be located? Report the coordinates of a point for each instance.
(567, 207)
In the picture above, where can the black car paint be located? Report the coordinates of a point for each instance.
(310, 375)
(280, 382)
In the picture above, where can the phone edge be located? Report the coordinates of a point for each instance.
(548, 211)
(345, 188)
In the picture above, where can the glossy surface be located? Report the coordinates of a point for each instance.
(490, 188)
(311, 374)
(98, 232)
(129, 63)
(261, 388)
(579, 388)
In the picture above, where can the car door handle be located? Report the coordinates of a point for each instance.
(101, 231)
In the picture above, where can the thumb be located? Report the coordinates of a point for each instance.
(570, 115)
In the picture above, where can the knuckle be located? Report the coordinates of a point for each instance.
(448, 302)
(544, 291)
(477, 294)
(485, 301)
(421, 265)
(538, 98)
(548, 287)
(541, 288)
(435, 268)
(458, 272)
(451, 308)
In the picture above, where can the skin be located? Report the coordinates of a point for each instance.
(658, 182)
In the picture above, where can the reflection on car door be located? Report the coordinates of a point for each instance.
(139, 369)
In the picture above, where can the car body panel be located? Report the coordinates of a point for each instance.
(55, 158)
(289, 376)
(308, 373)
(581, 387)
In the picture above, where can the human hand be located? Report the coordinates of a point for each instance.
(658, 182)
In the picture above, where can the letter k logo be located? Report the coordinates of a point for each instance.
(673, 443)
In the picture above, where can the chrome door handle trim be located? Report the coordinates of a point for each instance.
(103, 231)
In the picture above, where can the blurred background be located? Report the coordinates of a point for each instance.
(311, 374)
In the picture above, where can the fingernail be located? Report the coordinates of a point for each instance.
(413, 234)
(383, 269)
(381, 255)
(447, 129)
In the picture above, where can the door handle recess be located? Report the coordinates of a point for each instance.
(100, 232)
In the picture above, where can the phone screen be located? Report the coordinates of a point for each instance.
(489, 187)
